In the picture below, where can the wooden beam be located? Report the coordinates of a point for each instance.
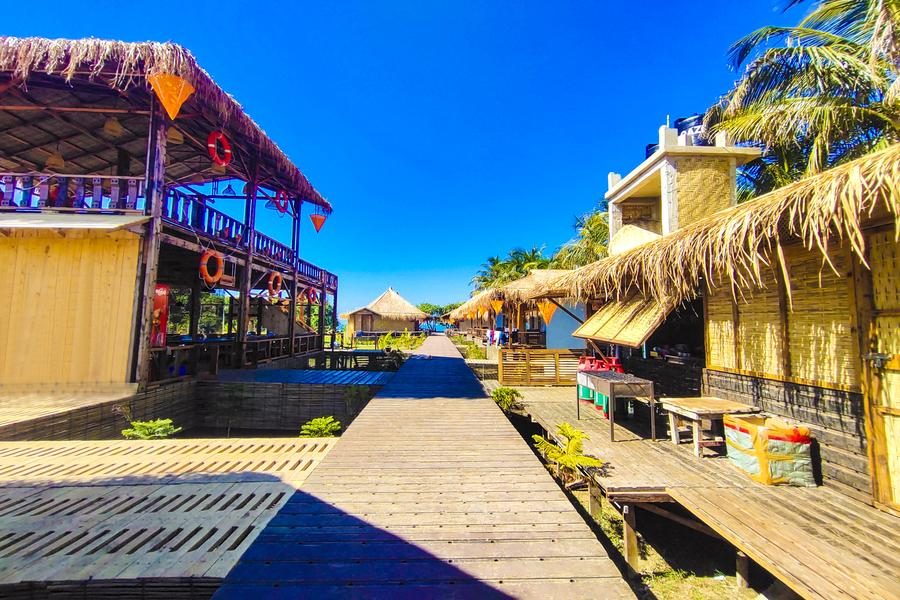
(249, 236)
(567, 311)
(69, 109)
(742, 570)
(629, 537)
(681, 520)
(155, 194)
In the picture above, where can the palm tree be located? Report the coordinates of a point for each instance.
(817, 94)
(496, 271)
(588, 246)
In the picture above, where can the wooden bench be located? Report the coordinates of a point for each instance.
(697, 410)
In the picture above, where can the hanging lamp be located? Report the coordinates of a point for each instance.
(112, 127)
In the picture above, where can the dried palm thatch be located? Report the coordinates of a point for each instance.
(533, 286)
(126, 65)
(393, 306)
(479, 302)
(734, 246)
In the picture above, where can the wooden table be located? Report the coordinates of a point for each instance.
(618, 385)
(696, 410)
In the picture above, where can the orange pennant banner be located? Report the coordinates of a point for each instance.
(547, 309)
(497, 305)
(172, 91)
(318, 221)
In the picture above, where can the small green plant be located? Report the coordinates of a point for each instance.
(320, 427)
(476, 352)
(158, 429)
(506, 398)
(404, 341)
(569, 458)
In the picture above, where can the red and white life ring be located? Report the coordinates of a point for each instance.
(212, 278)
(275, 281)
(212, 143)
(281, 201)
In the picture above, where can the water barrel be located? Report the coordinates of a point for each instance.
(650, 149)
(693, 126)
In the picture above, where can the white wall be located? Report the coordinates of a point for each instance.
(559, 331)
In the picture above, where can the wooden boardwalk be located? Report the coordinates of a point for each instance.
(430, 493)
(821, 543)
(127, 519)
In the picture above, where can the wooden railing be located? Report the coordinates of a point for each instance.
(192, 212)
(266, 349)
(538, 367)
(206, 358)
(86, 193)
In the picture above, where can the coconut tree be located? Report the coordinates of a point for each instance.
(814, 95)
(518, 262)
(589, 245)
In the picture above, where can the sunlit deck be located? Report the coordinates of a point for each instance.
(116, 517)
(819, 542)
(430, 493)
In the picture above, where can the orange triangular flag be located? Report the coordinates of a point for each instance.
(497, 305)
(318, 221)
(172, 91)
(547, 309)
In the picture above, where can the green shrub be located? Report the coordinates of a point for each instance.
(158, 429)
(506, 398)
(476, 352)
(320, 427)
(570, 457)
(404, 341)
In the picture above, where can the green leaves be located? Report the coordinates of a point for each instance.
(570, 457)
(816, 95)
(498, 271)
(590, 244)
(157, 429)
(507, 398)
(320, 427)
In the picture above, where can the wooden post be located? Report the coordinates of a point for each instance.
(194, 326)
(155, 190)
(629, 536)
(295, 241)
(595, 504)
(742, 571)
(247, 280)
(334, 317)
(321, 328)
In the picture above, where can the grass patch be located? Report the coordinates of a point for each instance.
(468, 348)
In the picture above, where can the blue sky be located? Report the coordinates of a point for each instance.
(442, 132)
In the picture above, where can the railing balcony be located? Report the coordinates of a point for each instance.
(193, 212)
(83, 193)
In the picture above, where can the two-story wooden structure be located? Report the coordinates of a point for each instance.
(126, 171)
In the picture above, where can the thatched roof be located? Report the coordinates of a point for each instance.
(113, 75)
(537, 284)
(734, 246)
(391, 305)
(534, 285)
(480, 301)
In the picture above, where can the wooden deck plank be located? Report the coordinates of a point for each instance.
(821, 543)
(155, 511)
(430, 487)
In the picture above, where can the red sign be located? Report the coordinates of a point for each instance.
(160, 322)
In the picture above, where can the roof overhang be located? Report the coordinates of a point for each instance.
(626, 323)
(645, 177)
(18, 220)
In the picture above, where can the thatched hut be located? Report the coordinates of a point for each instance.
(111, 159)
(389, 312)
(800, 294)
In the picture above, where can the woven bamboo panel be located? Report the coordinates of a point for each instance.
(720, 330)
(822, 345)
(627, 323)
(760, 329)
(703, 186)
(884, 259)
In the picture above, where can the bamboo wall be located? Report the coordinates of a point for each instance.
(796, 357)
(813, 342)
(703, 186)
(379, 324)
(68, 306)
